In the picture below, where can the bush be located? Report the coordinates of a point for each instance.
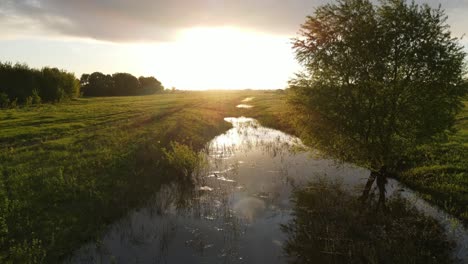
(184, 160)
(28, 101)
(4, 100)
(36, 99)
(14, 103)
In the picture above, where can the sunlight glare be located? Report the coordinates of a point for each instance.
(222, 58)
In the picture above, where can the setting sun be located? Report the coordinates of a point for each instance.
(221, 58)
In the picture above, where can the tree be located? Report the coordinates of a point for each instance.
(118, 84)
(378, 81)
(97, 84)
(27, 85)
(56, 85)
(17, 81)
(84, 80)
(125, 84)
(150, 85)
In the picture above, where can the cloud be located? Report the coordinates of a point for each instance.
(123, 20)
(157, 20)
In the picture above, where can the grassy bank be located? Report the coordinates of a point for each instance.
(271, 110)
(439, 172)
(69, 170)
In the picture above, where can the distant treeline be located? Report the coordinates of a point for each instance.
(20, 84)
(118, 84)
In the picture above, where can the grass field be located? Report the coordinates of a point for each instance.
(70, 169)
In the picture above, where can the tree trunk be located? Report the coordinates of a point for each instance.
(381, 182)
(367, 188)
(381, 177)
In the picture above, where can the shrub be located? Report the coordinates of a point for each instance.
(29, 101)
(36, 99)
(184, 160)
(4, 100)
(14, 103)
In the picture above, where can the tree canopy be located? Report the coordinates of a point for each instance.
(96, 84)
(19, 83)
(378, 80)
(150, 85)
(118, 84)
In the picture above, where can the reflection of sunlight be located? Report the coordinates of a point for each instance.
(244, 106)
(232, 138)
(247, 132)
(249, 208)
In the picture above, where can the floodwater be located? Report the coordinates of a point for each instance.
(248, 99)
(244, 106)
(234, 212)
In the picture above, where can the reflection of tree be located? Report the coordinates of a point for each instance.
(330, 226)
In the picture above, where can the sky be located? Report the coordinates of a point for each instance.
(187, 44)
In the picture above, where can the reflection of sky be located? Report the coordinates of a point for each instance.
(234, 214)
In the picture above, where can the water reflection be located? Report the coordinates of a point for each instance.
(331, 226)
(233, 212)
(244, 106)
(248, 99)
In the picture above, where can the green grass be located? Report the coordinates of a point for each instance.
(440, 171)
(271, 110)
(462, 125)
(69, 170)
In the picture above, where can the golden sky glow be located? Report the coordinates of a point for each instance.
(214, 58)
(199, 44)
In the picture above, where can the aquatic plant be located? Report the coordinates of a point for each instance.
(184, 160)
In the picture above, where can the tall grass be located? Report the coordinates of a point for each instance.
(184, 160)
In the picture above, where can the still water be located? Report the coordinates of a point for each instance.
(234, 213)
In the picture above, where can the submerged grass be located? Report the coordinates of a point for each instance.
(331, 226)
(69, 170)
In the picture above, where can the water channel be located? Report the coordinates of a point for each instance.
(233, 214)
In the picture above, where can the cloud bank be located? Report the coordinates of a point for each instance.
(157, 20)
